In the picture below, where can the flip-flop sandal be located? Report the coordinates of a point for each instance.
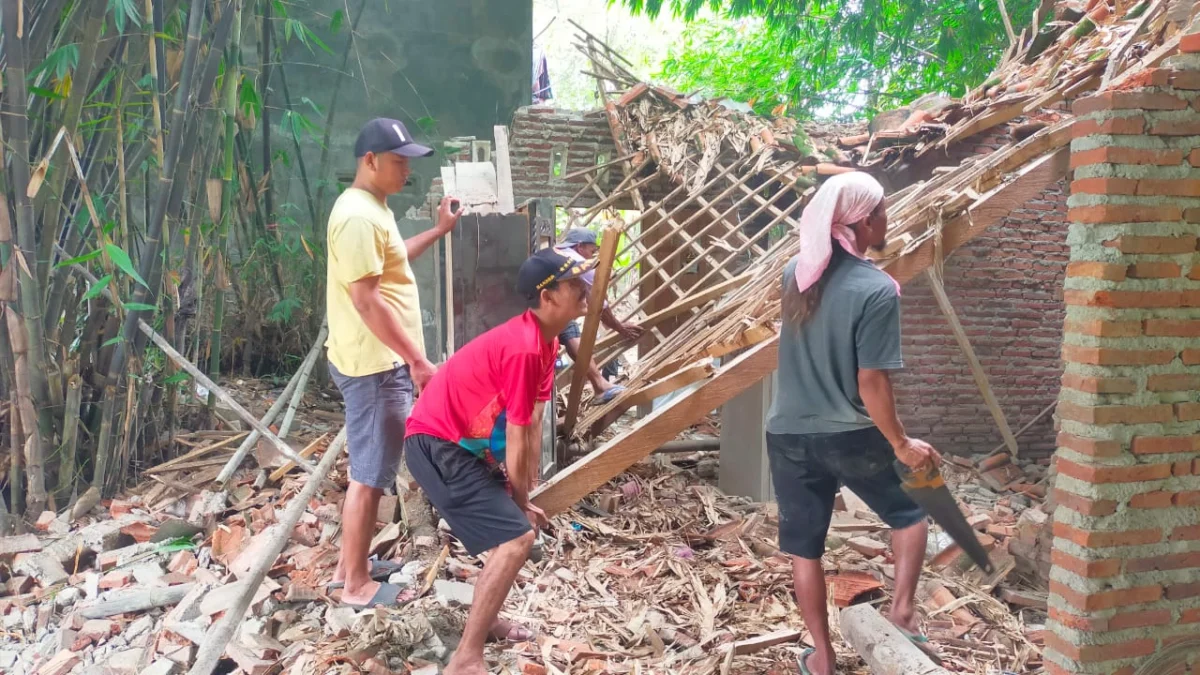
(381, 570)
(803, 660)
(608, 395)
(388, 595)
(507, 636)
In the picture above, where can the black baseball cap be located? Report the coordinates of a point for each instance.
(385, 135)
(546, 267)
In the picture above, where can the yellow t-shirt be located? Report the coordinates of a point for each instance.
(363, 241)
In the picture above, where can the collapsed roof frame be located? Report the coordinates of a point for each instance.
(721, 317)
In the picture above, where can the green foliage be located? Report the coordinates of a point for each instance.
(60, 62)
(829, 58)
(97, 288)
(121, 259)
(123, 10)
(282, 311)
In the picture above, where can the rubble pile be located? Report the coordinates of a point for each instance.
(657, 572)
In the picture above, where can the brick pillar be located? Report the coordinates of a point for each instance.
(1125, 581)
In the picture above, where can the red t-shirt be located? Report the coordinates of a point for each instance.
(494, 379)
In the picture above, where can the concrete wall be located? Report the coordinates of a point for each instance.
(448, 68)
(1125, 582)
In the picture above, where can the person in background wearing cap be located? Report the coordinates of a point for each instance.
(474, 441)
(376, 348)
(579, 243)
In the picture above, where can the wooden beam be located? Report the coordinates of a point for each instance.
(690, 302)
(597, 467)
(981, 379)
(587, 341)
(648, 393)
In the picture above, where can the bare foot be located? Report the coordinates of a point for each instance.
(456, 667)
(360, 595)
(819, 663)
(904, 618)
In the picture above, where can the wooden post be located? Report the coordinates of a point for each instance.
(885, 649)
(981, 379)
(608, 252)
(448, 239)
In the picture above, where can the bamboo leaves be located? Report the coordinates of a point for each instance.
(121, 259)
(122, 11)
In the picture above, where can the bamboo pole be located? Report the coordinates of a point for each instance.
(66, 466)
(219, 635)
(305, 371)
(224, 397)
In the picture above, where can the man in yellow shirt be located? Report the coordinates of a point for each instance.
(376, 348)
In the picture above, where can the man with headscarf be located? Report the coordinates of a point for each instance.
(833, 421)
(579, 244)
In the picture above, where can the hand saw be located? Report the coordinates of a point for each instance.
(928, 489)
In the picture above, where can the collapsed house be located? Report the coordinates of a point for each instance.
(659, 572)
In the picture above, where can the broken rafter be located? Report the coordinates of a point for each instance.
(583, 356)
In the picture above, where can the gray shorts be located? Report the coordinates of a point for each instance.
(377, 407)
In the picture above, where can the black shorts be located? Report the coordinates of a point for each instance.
(571, 331)
(808, 469)
(476, 503)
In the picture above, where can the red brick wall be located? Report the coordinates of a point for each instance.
(1006, 287)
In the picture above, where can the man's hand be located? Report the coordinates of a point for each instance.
(421, 372)
(537, 517)
(446, 218)
(631, 332)
(916, 453)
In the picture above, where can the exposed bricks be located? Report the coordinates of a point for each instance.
(1185, 79)
(1099, 385)
(1163, 563)
(1176, 128)
(1092, 569)
(1089, 446)
(1119, 155)
(1103, 328)
(1159, 499)
(1116, 126)
(1190, 357)
(1183, 591)
(1103, 538)
(1095, 473)
(1190, 43)
(1104, 186)
(1187, 187)
(1186, 533)
(1084, 505)
(1154, 270)
(1104, 356)
(1124, 213)
(1104, 415)
(1154, 245)
(1194, 158)
(1097, 270)
(1128, 100)
(1107, 652)
(1172, 382)
(1158, 445)
(1187, 412)
(1132, 299)
(1106, 599)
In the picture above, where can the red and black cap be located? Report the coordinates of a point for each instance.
(385, 135)
(546, 267)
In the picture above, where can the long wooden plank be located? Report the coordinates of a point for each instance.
(587, 341)
(602, 464)
(690, 302)
(977, 372)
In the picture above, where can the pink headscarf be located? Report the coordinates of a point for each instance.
(840, 202)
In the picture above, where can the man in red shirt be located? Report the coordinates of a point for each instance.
(473, 440)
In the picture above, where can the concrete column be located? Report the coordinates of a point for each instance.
(1125, 581)
(744, 470)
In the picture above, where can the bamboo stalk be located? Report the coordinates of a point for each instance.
(217, 637)
(66, 466)
(608, 252)
(223, 396)
(305, 371)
